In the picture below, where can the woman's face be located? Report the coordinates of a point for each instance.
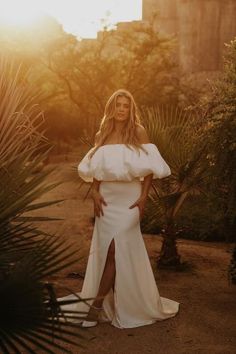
(122, 108)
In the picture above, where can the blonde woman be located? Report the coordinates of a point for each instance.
(119, 276)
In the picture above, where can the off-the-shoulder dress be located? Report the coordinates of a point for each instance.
(135, 300)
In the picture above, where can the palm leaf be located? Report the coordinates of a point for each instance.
(175, 131)
(30, 313)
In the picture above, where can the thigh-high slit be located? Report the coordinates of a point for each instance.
(135, 300)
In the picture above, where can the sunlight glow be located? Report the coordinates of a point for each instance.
(80, 17)
(22, 12)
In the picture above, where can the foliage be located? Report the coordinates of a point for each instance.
(175, 133)
(201, 219)
(220, 133)
(30, 313)
(89, 71)
(77, 77)
(212, 216)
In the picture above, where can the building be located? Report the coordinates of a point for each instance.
(202, 27)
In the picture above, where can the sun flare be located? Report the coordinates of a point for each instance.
(82, 18)
(24, 12)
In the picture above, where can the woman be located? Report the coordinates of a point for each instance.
(119, 276)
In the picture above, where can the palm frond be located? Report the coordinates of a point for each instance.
(172, 130)
(30, 313)
(175, 132)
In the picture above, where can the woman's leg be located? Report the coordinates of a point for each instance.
(108, 277)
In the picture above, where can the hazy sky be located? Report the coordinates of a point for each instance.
(81, 17)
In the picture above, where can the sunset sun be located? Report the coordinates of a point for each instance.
(82, 18)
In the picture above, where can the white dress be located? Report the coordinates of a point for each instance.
(135, 300)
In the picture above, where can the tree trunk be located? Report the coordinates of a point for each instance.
(232, 267)
(169, 256)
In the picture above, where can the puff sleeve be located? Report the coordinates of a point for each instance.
(117, 162)
(153, 162)
(84, 168)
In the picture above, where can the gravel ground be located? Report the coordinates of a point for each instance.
(206, 322)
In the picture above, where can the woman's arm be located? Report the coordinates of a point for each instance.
(98, 200)
(144, 139)
(146, 184)
(141, 202)
(95, 185)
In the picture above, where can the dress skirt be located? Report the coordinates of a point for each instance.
(135, 300)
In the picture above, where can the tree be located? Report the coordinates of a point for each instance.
(220, 133)
(220, 130)
(175, 132)
(135, 57)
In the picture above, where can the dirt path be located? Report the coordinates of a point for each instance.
(206, 323)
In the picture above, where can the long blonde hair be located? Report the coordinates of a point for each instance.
(129, 134)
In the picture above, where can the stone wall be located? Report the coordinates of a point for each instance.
(201, 26)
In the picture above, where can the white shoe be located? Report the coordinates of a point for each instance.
(89, 323)
(96, 311)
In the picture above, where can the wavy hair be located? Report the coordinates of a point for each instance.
(128, 133)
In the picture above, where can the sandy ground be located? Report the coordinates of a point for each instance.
(206, 322)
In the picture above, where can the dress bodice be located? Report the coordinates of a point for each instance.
(118, 162)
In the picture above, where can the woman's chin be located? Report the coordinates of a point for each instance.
(121, 119)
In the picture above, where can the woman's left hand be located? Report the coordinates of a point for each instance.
(140, 203)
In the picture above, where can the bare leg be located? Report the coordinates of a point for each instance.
(108, 277)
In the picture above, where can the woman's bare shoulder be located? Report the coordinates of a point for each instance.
(141, 134)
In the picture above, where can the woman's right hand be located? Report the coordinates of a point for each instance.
(98, 202)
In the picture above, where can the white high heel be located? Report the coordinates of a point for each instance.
(87, 323)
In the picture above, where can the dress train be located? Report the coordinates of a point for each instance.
(135, 300)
